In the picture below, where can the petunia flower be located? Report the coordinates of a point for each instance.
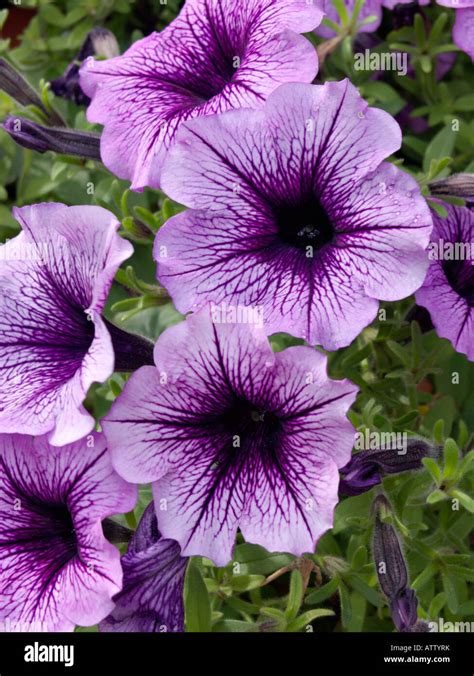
(463, 29)
(152, 596)
(233, 436)
(448, 291)
(54, 280)
(293, 210)
(57, 570)
(215, 56)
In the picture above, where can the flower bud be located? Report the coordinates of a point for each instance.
(99, 42)
(15, 85)
(367, 468)
(457, 185)
(392, 570)
(389, 561)
(404, 610)
(65, 141)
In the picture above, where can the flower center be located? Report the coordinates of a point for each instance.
(306, 224)
(244, 419)
(460, 275)
(46, 536)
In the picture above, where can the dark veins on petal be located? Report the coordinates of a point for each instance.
(304, 224)
(42, 531)
(460, 275)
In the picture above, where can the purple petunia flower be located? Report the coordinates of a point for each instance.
(448, 291)
(294, 211)
(153, 583)
(57, 570)
(233, 436)
(55, 277)
(463, 29)
(215, 56)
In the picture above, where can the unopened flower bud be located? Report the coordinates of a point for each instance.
(367, 468)
(15, 85)
(389, 561)
(99, 42)
(31, 135)
(404, 610)
(457, 185)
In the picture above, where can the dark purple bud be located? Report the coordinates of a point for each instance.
(420, 627)
(392, 570)
(404, 14)
(15, 85)
(131, 351)
(457, 185)
(367, 468)
(422, 316)
(99, 42)
(389, 561)
(404, 610)
(65, 141)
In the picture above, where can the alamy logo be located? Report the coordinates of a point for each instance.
(50, 653)
(396, 61)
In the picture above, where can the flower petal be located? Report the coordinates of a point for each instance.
(211, 58)
(58, 570)
(55, 275)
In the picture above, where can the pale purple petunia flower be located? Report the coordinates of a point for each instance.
(153, 583)
(448, 291)
(54, 280)
(215, 56)
(57, 570)
(233, 436)
(293, 210)
(463, 29)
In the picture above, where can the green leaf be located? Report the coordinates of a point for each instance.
(424, 577)
(451, 459)
(346, 607)
(242, 583)
(450, 591)
(464, 103)
(433, 468)
(436, 30)
(437, 605)
(342, 11)
(295, 596)
(258, 561)
(440, 146)
(371, 594)
(323, 593)
(438, 431)
(235, 626)
(197, 605)
(436, 496)
(466, 501)
(306, 618)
